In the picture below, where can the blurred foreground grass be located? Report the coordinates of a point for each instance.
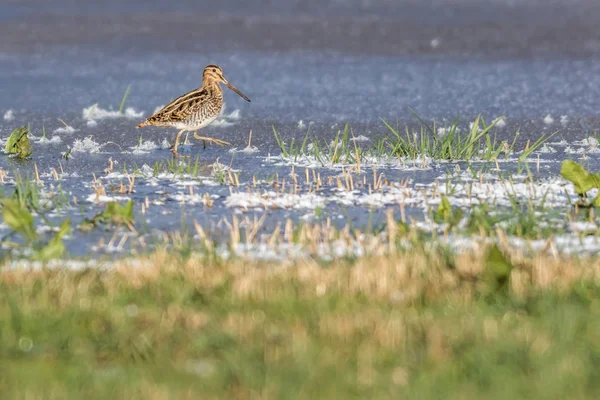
(413, 325)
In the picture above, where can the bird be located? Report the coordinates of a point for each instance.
(196, 109)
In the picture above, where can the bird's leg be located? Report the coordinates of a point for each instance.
(176, 145)
(211, 140)
(203, 142)
(186, 137)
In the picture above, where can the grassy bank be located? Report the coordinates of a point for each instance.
(411, 325)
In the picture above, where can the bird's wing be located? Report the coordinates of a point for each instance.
(181, 107)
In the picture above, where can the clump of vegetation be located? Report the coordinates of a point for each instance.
(498, 269)
(113, 214)
(446, 214)
(450, 143)
(409, 325)
(20, 220)
(18, 143)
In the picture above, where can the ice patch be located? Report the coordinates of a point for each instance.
(9, 115)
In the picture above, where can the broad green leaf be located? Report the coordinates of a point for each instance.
(582, 180)
(498, 267)
(55, 248)
(18, 218)
(118, 214)
(18, 143)
(444, 211)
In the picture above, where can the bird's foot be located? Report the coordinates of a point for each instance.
(212, 140)
(176, 153)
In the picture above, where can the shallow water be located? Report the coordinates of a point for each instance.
(349, 62)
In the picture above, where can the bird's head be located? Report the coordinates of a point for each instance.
(214, 73)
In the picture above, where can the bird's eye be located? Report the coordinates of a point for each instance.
(214, 70)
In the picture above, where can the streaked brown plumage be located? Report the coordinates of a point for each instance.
(196, 109)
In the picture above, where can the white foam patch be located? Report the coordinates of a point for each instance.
(53, 140)
(546, 149)
(276, 200)
(221, 123)
(442, 131)
(245, 150)
(193, 199)
(65, 129)
(145, 147)
(560, 143)
(224, 120)
(9, 115)
(234, 115)
(585, 227)
(367, 162)
(468, 190)
(95, 112)
(75, 265)
(548, 120)
(501, 123)
(165, 144)
(87, 145)
(94, 198)
(590, 141)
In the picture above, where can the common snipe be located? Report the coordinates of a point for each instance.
(196, 109)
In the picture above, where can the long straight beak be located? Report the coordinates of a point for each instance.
(230, 86)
